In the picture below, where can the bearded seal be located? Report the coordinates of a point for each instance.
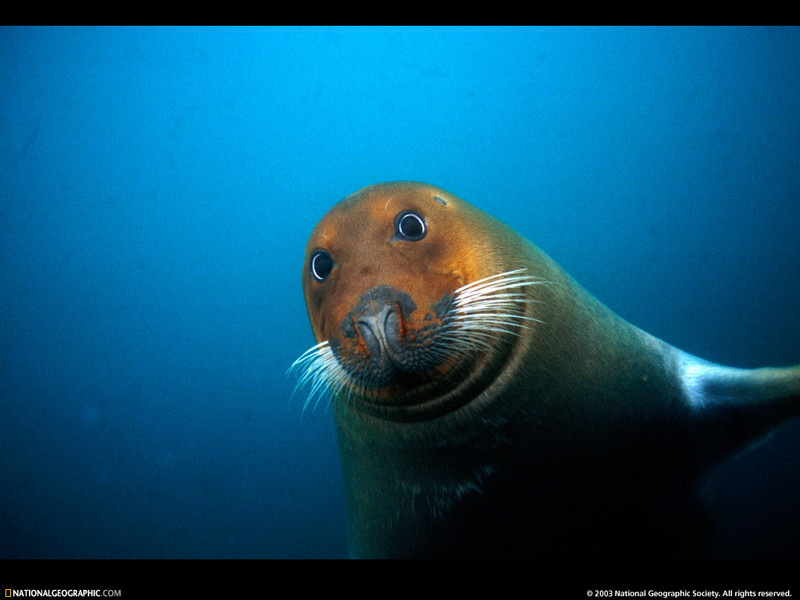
(487, 405)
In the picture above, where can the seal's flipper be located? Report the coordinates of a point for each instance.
(737, 408)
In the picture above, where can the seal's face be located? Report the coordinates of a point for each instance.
(387, 276)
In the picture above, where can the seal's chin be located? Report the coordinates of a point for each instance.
(392, 354)
(386, 370)
(376, 386)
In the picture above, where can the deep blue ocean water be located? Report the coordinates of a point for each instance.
(157, 187)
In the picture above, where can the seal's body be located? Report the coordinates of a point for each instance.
(487, 405)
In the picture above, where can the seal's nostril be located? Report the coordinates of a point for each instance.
(369, 327)
(391, 329)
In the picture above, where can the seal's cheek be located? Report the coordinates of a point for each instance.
(321, 311)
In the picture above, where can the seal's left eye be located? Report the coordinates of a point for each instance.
(410, 226)
(321, 265)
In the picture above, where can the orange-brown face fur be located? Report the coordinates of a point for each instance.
(360, 236)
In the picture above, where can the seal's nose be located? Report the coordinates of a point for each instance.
(384, 340)
(380, 331)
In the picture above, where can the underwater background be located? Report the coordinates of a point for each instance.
(158, 185)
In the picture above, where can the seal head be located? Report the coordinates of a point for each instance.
(392, 279)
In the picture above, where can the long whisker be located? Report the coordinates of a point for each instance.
(482, 312)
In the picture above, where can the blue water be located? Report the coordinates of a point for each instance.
(157, 187)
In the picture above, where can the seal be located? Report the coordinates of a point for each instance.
(487, 405)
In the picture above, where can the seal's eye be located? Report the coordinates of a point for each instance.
(410, 226)
(321, 265)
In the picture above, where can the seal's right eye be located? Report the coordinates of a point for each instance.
(410, 226)
(321, 265)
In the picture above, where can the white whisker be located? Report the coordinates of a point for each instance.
(482, 313)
